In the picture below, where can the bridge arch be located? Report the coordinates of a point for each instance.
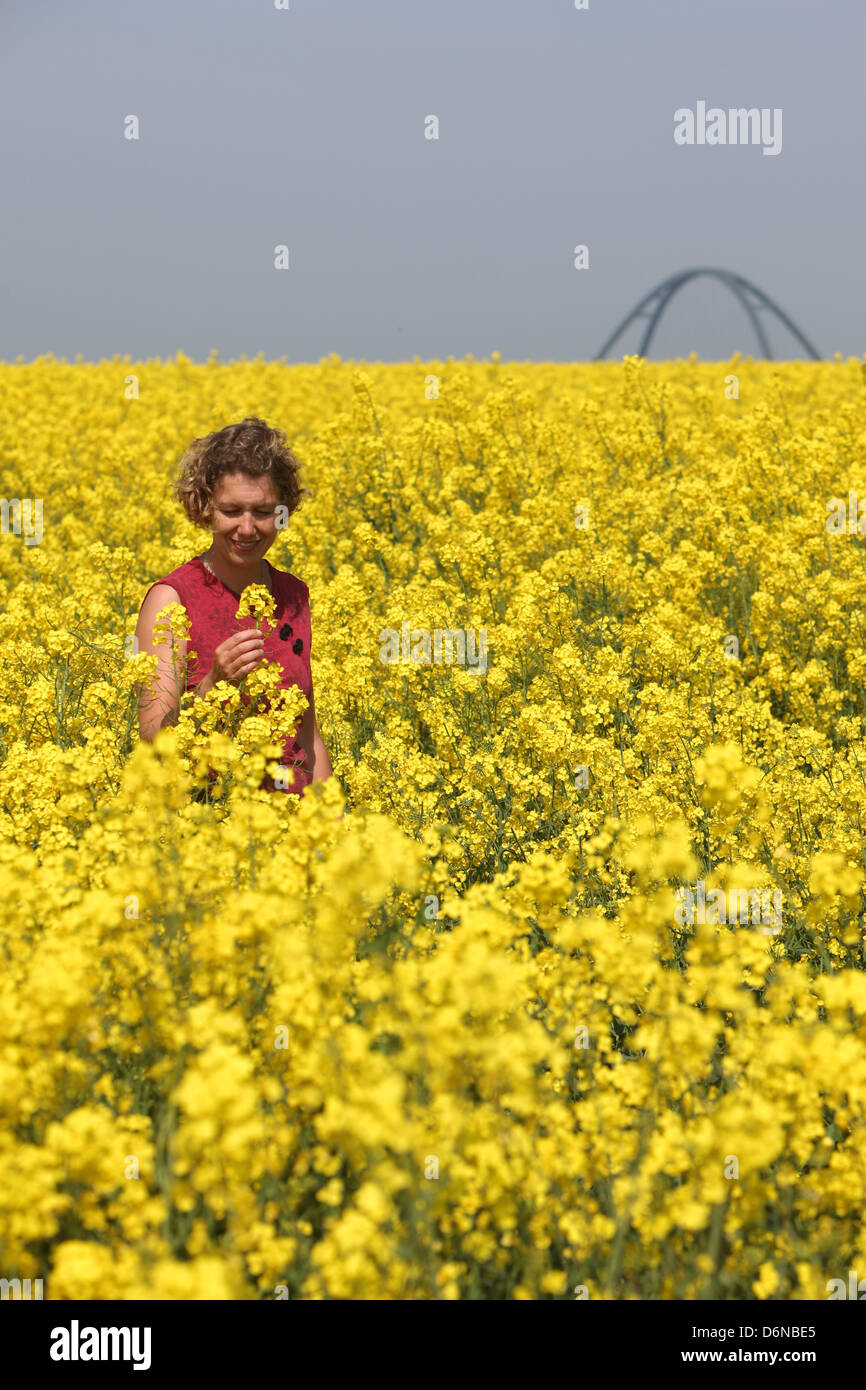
(753, 300)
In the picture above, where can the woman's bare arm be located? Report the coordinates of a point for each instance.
(163, 707)
(313, 744)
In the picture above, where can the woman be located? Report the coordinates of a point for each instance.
(231, 483)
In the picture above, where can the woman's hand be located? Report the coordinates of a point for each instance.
(235, 658)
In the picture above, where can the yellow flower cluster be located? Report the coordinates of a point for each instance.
(257, 602)
(459, 1043)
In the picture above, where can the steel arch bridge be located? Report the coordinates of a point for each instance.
(749, 296)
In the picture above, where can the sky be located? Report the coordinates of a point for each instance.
(305, 127)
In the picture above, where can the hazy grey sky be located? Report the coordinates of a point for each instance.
(305, 127)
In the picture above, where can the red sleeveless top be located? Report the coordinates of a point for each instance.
(211, 606)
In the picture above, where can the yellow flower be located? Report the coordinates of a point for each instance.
(767, 1282)
(257, 602)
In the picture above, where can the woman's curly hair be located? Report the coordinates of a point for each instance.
(250, 447)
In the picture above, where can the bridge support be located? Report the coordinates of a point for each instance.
(748, 295)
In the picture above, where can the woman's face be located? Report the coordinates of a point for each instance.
(244, 521)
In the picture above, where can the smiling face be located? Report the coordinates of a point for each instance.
(243, 522)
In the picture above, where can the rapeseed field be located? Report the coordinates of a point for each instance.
(571, 1001)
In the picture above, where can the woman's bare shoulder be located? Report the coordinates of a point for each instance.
(164, 593)
(158, 596)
